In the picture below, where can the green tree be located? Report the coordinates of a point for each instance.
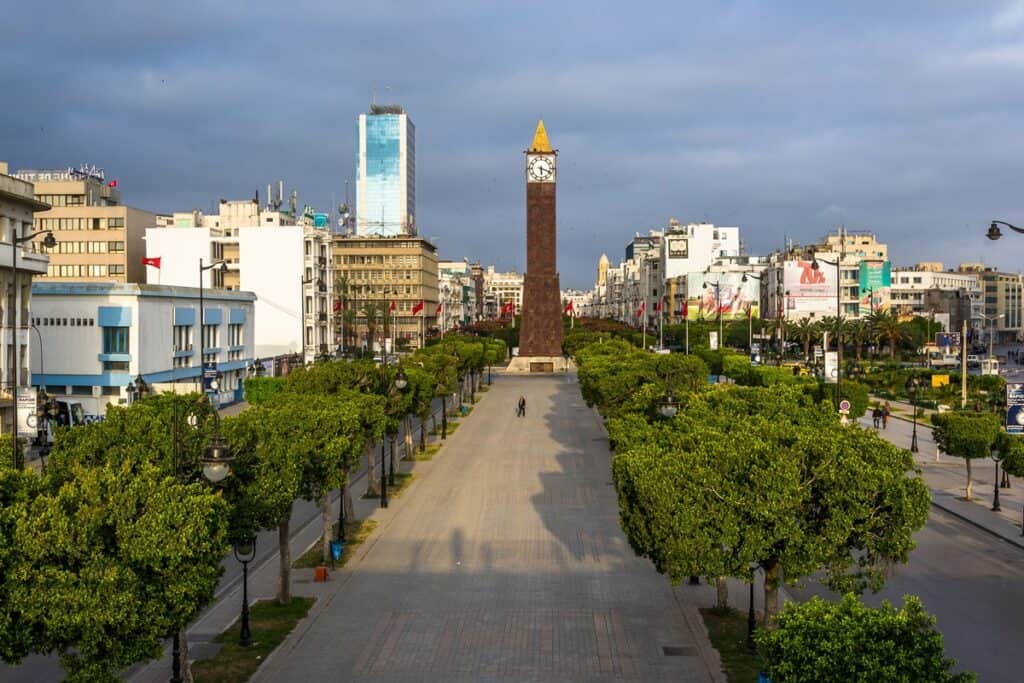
(886, 326)
(113, 560)
(966, 435)
(805, 331)
(848, 641)
(859, 333)
(766, 476)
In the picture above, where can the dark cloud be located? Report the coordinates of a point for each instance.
(783, 118)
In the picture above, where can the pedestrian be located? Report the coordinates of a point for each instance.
(521, 407)
(885, 415)
(876, 417)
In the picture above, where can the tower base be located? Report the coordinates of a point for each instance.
(525, 365)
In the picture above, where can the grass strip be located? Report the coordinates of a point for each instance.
(728, 632)
(269, 623)
(355, 533)
(452, 425)
(402, 480)
(429, 453)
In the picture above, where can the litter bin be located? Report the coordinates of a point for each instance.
(464, 410)
(336, 549)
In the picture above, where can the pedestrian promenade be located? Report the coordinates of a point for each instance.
(503, 561)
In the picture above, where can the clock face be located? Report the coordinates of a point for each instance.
(541, 169)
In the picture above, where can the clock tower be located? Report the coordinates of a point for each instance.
(540, 340)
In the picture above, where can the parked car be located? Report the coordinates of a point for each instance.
(973, 361)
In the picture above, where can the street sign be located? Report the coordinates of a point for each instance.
(831, 366)
(210, 382)
(818, 353)
(844, 406)
(27, 426)
(1015, 408)
(713, 340)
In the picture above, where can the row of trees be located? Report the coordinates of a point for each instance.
(747, 479)
(119, 544)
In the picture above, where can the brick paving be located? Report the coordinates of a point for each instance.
(503, 562)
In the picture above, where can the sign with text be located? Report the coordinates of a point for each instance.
(831, 366)
(27, 426)
(1015, 408)
(809, 290)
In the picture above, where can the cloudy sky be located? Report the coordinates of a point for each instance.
(785, 118)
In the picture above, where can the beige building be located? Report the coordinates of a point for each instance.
(98, 239)
(501, 289)
(1002, 296)
(17, 206)
(372, 272)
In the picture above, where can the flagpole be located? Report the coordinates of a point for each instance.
(661, 327)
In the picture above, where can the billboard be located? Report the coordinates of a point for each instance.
(678, 247)
(725, 293)
(810, 291)
(875, 283)
(1015, 408)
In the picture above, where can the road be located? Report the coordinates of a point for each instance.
(504, 563)
(970, 580)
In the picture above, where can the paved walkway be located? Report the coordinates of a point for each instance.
(503, 561)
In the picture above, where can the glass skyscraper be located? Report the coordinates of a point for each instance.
(386, 173)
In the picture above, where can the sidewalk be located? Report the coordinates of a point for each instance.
(263, 575)
(946, 478)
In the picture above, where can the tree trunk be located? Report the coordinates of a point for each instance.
(807, 349)
(328, 523)
(859, 349)
(968, 461)
(394, 457)
(772, 579)
(444, 418)
(284, 589)
(186, 667)
(423, 434)
(346, 493)
(372, 483)
(723, 593)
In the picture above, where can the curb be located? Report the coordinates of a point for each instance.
(978, 525)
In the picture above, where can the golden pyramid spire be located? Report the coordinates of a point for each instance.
(540, 139)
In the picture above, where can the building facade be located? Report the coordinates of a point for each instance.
(1001, 293)
(949, 297)
(385, 173)
(374, 272)
(19, 264)
(501, 290)
(284, 259)
(94, 338)
(457, 287)
(98, 238)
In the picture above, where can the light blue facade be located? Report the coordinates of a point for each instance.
(386, 175)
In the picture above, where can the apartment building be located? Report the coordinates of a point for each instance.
(98, 238)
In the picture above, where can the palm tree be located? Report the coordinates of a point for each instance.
(806, 331)
(836, 326)
(858, 332)
(371, 310)
(886, 325)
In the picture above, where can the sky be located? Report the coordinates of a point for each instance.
(787, 119)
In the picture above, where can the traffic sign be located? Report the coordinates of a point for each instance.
(844, 406)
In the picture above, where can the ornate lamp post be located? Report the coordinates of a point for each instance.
(815, 265)
(995, 233)
(997, 457)
(668, 406)
(912, 385)
(244, 553)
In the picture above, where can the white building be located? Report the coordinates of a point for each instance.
(285, 262)
(694, 247)
(501, 289)
(93, 338)
(457, 294)
(17, 206)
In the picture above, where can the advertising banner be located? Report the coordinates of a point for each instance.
(875, 283)
(678, 247)
(27, 427)
(810, 290)
(1015, 408)
(725, 293)
(831, 366)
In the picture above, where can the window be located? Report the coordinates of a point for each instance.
(115, 247)
(115, 269)
(115, 223)
(81, 390)
(182, 337)
(115, 366)
(211, 336)
(115, 339)
(235, 335)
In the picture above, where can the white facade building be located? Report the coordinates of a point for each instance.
(17, 206)
(500, 289)
(457, 294)
(286, 266)
(95, 337)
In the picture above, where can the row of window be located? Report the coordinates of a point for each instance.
(84, 270)
(63, 322)
(82, 247)
(112, 223)
(408, 260)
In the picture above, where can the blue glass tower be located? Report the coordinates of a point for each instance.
(386, 173)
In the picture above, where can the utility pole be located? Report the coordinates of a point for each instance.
(963, 364)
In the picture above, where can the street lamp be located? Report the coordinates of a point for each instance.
(815, 265)
(137, 390)
(751, 616)
(216, 465)
(256, 368)
(996, 456)
(49, 242)
(668, 406)
(718, 308)
(244, 553)
(994, 233)
(912, 385)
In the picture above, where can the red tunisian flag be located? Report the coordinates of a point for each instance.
(438, 311)
(509, 308)
(112, 183)
(155, 261)
(640, 311)
(569, 308)
(657, 306)
(686, 308)
(393, 307)
(418, 308)
(337, 305)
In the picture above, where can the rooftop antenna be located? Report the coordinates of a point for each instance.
(293, 203)
(270, 196)
(280, 195)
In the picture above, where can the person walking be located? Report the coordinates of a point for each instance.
(876, 417)
(521, 407)
(885, 415)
